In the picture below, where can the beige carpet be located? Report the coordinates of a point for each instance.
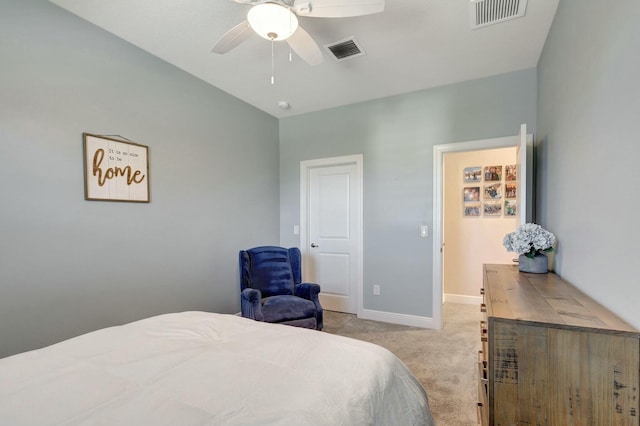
(443, 360)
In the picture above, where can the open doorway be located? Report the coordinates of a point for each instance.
(524, 143)
(479, 210)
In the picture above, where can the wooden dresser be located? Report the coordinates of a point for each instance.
(553, 356)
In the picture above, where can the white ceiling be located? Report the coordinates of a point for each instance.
(412, 45)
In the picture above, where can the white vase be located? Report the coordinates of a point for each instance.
(538, 265)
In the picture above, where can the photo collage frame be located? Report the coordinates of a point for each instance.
(490, 191)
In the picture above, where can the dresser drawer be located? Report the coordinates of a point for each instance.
(483, 331)
(481, 413)
(483, 391)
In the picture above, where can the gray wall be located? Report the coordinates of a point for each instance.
(68, 265)
(587, 138)
(396, 136)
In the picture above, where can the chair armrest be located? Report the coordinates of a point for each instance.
(310, 291)
(307, 291)
(251, 304)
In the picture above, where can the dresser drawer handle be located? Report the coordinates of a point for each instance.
(482, 359)
(483, 330)
(483, 307)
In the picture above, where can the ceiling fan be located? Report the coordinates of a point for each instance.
(277, 20)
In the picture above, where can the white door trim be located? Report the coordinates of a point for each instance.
(305, 167)
(438, 206)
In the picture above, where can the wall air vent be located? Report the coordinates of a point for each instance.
(489, 12)
(345, 49)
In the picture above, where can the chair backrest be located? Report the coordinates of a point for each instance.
(270, 269)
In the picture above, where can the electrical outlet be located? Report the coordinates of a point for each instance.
(376, 290)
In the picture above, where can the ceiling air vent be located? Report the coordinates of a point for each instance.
(489, 12)
(345, 49)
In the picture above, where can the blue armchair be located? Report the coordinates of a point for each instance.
(272, 291)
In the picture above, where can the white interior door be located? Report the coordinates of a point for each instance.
(333, 233)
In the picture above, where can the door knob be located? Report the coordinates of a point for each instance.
(314, 245)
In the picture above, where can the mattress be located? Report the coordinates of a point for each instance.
(197, 368)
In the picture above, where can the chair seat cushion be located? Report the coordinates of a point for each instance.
(287, 308)
(303, 323)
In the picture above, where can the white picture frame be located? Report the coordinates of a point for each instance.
(115, 170)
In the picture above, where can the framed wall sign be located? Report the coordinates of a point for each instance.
(115, 170)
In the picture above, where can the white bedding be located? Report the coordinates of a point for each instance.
(197, 368)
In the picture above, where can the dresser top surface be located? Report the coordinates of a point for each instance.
(545, 299)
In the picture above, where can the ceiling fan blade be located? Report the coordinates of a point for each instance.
(304, 46)
(233, 38)
(337, 8)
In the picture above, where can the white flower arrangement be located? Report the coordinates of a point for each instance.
(529, 239)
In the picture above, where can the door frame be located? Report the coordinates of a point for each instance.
(438, 206)
(305, 168)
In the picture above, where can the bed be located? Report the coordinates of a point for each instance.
(198, 368)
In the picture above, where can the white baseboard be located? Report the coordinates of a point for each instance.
(402, 319)
(465, 300)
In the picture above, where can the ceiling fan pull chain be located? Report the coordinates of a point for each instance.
(290, 32)
(273, 79)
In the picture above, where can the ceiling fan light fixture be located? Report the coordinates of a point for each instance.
(272, 21)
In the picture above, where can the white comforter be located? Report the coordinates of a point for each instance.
(197, 368)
